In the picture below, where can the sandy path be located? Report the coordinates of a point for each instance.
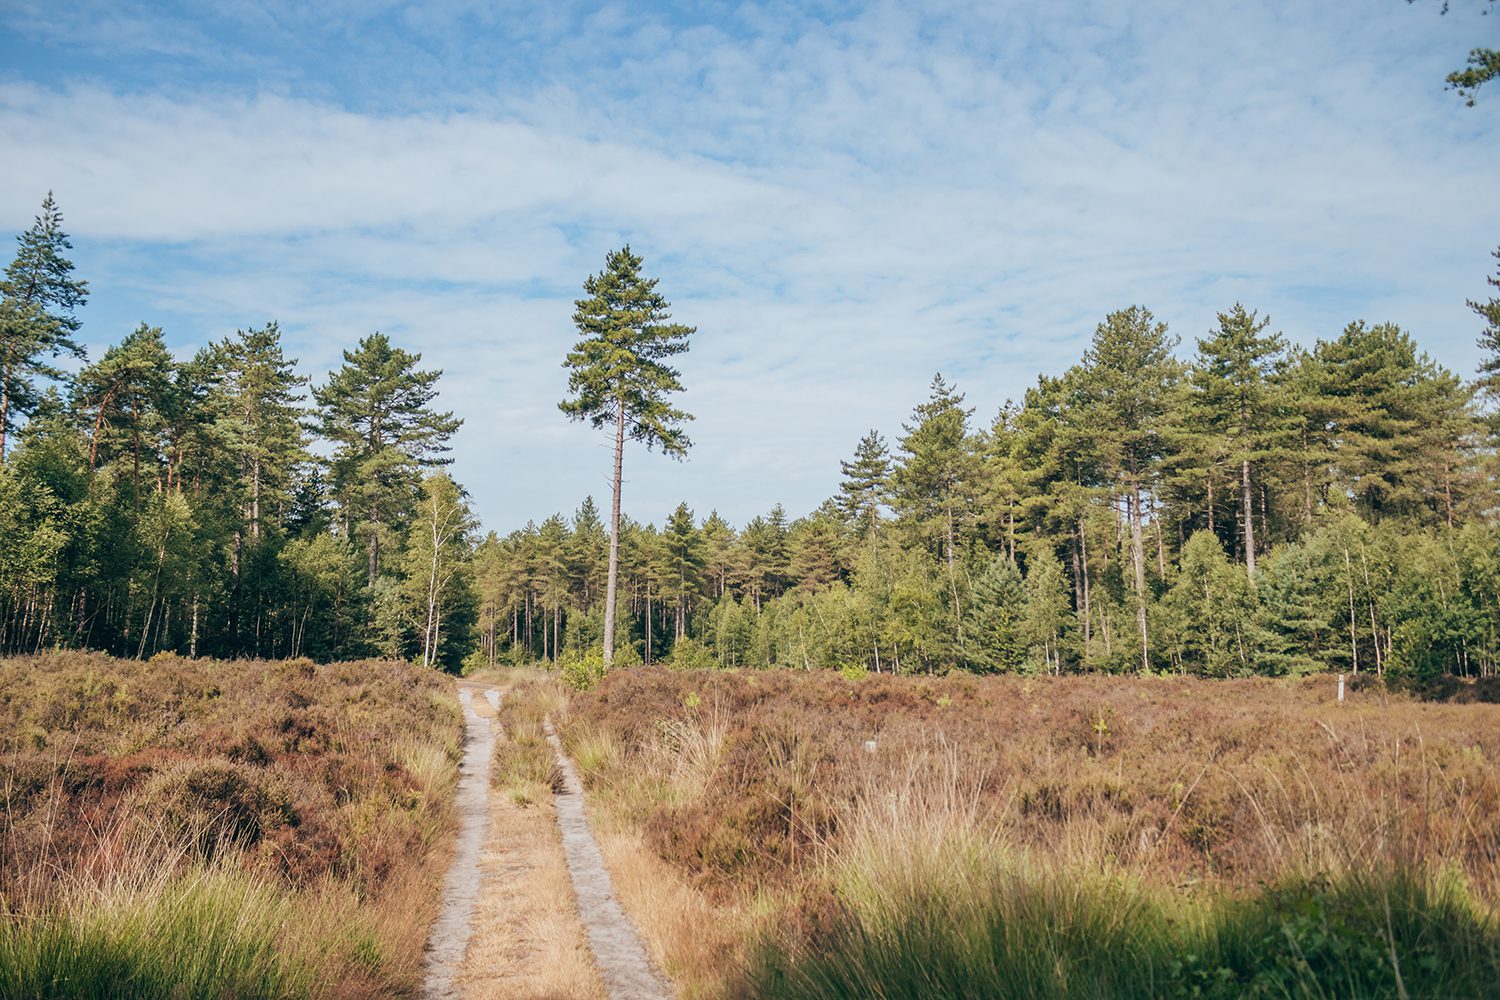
(450, 933)
(528, 943)
(509, 926)
(623, 963)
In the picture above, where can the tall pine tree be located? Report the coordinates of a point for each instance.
(618, 376)
(375, 408)
(38, 300)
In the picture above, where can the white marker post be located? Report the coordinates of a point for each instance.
(1341, 689)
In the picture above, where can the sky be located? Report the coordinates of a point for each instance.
(842, 198)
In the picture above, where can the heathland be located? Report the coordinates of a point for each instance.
(204, 828)
(820, 835)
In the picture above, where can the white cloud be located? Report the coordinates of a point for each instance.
(841, 207)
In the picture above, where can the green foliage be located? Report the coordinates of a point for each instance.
(1207, 611)
(618, 369)
(1042, 934)
(38, 298)
(375, 409)
(995, 623)
(581, 671)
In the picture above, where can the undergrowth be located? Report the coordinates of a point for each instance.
(197, 828)
(905, 837)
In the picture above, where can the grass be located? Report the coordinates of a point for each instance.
(525, 766)
(528, 940)
(1089, 836)
(195, 828)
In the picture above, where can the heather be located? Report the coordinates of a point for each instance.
(1137, 834)
(247, 827)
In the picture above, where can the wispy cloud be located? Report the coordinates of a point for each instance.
(842, 204)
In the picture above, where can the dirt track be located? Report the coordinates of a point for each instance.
(528, 908)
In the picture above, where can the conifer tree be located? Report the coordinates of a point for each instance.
(375, 408)
(683, 559)
(38, 299)
(934, 481)
(1489, 342)
(866, 478)
(258, 400)
(1235, 403)
(618, 376)
(1125, 385)
(588, 554)
(995, 621)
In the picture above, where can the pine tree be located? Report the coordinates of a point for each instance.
(588, 554)
(38, 299)
(1125, 385)
(1235, 403)
(933, 482)
(683, 560)
(814, 545)
(130, 391)
(1489, 342)
(375, 408)
(257, 401)
(618, 375)
(995, 621)
(866, 478)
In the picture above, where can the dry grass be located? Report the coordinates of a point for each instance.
(326, 788)
(748, 788)
(528, 942)
(684, 931)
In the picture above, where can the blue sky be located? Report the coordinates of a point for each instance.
(843, 198)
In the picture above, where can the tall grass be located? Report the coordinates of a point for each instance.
(208, 932)
(932, 900)
(189, 828)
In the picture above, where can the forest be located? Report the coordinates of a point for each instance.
(1233, 505)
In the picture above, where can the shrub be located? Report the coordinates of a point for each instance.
(582, 671)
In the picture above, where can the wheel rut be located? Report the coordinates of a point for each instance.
(626, 968)
(474, 892)
(454, 925)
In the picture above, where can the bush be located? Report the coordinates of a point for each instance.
(583, 671)
(689, 654)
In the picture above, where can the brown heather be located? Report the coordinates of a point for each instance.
(757, 789)
(328, 786)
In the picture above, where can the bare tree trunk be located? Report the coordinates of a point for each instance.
(1249, 518)
(1138, 557)
(614, 539)
(1083, 559)
(4, 407)
(255, 500)
(1353, 639)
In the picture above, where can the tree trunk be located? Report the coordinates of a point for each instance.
(4, 408)
(255, 500)
(1083, 559)
(1249, 517)
(1138, 557)
(374, 548)
(614, 539)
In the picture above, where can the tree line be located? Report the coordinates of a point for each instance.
(153, 503)
(1257, 508)
(1246, 507)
